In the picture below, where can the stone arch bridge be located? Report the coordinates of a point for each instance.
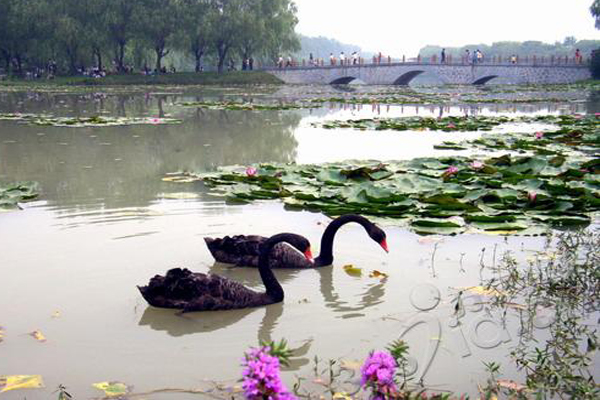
(403, 73)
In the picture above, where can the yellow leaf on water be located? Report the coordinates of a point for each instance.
(179, 179)
(180, 196)
(483, 291)
(378, 274)
(348, 364)
(1, 334)
(14, 382)
(56, 314)
(341, 396)
(352, 270)
(39, 336)
(511, 385)
(112, 389)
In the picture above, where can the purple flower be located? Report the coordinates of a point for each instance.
(261, 376)
(378, 373)
(251, 171)
(539, 135)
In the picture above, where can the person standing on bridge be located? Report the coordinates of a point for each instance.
(443, 57)
(467, 56)
(354, 58)
(331, 59)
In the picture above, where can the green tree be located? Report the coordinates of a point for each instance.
(595, 10)
(119, 22)
(196, 28)
(226, 28)
(157, 23)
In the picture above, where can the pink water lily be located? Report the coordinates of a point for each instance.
(578, 116)
(531, 196)
(452, 170)
(477, 164)
(539, 135)
(451, 126)
(155, 121)
(251, 171)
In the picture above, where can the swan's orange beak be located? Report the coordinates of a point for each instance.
(308, 255)
(383, 244)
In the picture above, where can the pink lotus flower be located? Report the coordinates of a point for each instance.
(452, 170)
(597, 115)
(477, 164)
(531, 196)
(251, 171)
(539, 135)
(155, 121)
(451, 126)
(578, 116)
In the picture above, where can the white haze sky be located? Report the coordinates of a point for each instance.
(398, 27)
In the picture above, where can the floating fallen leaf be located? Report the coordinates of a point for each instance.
(516, 306)
(350, 364)
(39, 336)
(56, 314)
(1, 334)
(378, 274)
(179, 179)
(180, 195)
(483, 291)
(341, 396)
(14, 382)
(511, 385)
(429, 240)
(112, 389)
(352, 270)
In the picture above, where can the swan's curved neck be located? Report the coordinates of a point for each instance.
(326, 255)
(274, 289)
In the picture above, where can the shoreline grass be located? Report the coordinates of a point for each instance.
(179, 78)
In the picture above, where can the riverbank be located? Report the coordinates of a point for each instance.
(180, 78)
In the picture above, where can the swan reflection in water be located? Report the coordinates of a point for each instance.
(176, 324)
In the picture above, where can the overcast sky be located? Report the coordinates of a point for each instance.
(399, 27)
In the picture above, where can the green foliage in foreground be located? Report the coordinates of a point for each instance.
(560, 283)
(180, 78)
(13, 193)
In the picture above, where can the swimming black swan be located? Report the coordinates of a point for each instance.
(243, 250)
(193, 291)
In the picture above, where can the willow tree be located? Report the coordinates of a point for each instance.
(157, 23)
(119, 23)
(196, 17)
(595, 10)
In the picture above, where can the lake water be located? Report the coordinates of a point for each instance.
(105, 222)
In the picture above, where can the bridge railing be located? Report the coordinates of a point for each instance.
(516, 60)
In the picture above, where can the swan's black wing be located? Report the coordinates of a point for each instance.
(234, 249)
(243, 251)
(189, 291)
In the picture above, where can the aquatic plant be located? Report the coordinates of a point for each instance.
(12, 194)
(559, 284)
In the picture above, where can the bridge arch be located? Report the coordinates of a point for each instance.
(404, 79)
(484, 80)
(343, 80)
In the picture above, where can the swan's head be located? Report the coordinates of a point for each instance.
(378, 235)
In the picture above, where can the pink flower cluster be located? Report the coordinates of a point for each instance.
(261, 376)
(378, 373)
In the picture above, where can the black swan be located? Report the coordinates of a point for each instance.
(243, 250)
(193, 291)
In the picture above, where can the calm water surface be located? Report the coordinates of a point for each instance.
(105, 222)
